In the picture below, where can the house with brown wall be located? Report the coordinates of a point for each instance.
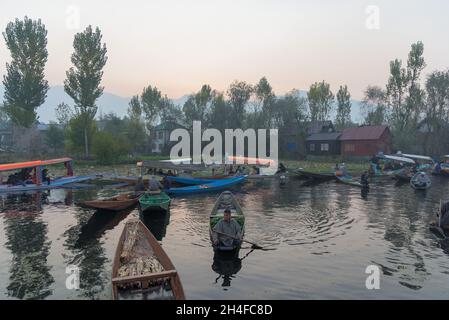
(365, 141)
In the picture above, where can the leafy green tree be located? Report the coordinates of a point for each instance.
(135, 108)
(76, 132)
(321, 100)
(343, 117)
(170, 112)
(54, 137)
(265, 103)
(219, 113)
(83, 80)
(405, 99)
(135, 126)
(197, 106)
(239, 93)
(437, 112)
(63, 114)
(374, 106)
(108, 148)
(150, 101)
(291, 111)
(25, 85)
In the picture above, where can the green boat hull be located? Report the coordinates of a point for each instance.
(150, 202)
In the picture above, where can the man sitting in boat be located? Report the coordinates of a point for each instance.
(437, 168)
(340, 170)
(45, 176)
(139, 187)
(166, 184)
(227, 226)
(155, 185)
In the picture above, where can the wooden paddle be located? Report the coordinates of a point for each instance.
(254, 245)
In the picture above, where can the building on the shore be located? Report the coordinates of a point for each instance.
(365, 141)
(293, 143)
(323, 144)
(160, 136)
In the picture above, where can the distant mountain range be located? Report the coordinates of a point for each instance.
(110, 102)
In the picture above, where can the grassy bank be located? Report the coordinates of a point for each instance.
(127, 166)
(325, 166)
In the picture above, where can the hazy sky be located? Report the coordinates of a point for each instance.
(178, 45)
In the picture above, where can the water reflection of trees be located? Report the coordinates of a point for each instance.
(26, 235)
(88, 254)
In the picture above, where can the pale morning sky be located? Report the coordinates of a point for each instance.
(178, 45)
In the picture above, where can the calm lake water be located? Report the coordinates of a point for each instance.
(322, 237)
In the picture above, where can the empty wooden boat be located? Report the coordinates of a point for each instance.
(117, 203)
(141, 269)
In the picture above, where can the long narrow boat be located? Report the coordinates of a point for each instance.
(37, 183)
(141, 269)
(226, 201)
(424, 184)
(189, 181)
(316, 176)
(154, 201)
(351, 181)
(208, 187)
(117, 203)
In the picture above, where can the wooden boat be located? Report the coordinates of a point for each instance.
(351, 181)
(226, 201)
(142, 269)
(216, 185)
(154, 201)
(402, 176)
(316, 176)
(420, 186)
(35, 171)
(189, 180)
(117, 203)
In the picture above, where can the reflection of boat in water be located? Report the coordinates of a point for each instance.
(323, 176)
(227, 265)
(156, 222)
(98, 224)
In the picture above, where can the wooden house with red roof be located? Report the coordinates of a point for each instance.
(365, 141)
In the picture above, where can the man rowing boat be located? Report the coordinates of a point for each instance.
(226, 231)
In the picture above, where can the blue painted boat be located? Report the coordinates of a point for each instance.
(215, 185)
(56, 183)
(189, 181)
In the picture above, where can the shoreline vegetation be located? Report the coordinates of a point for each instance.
(128, 166)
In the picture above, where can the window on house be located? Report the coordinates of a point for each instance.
(349, 147)
(312, 147)
(325, 147)
(154, 146)
(161, 134)
(160, 146)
